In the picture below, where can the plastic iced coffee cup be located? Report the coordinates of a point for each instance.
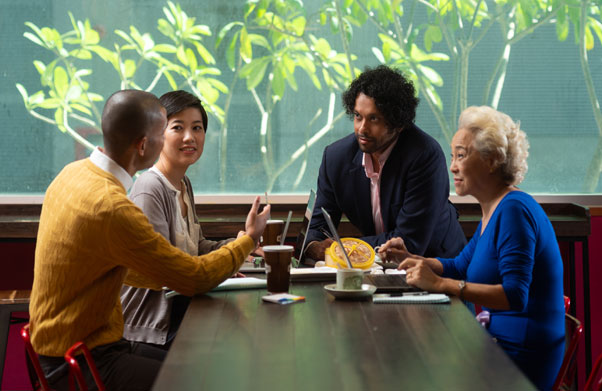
(278, 267)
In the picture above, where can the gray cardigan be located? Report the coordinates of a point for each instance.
(147, 312)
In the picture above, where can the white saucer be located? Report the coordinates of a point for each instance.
(366, 291)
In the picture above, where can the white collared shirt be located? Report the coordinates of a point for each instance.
(102, 161)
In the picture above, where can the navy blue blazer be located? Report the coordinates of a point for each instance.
(414, 192)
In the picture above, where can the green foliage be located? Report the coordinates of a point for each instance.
(274, 44)
(182, 59)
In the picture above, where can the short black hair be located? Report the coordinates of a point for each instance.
(176, 101)
(128, 116)
(394, 95)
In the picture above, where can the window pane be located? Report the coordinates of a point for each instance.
(272, 116)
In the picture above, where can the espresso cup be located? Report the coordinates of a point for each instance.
(349, 279)
(278, 267)
(272, 233)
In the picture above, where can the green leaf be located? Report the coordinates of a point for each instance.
(299, 25)
(597, 27)
(81, 108)
(589, 38)
(36, 98)
(181, 54)
(218, 85)
(230, 53)
(209, 93)
(259, 40)
(61, 81)
(33, 39)
(52, 37)
(432, 76)
(246, 50)
(58, 117)
(23, 93)
(165, 28)
(192, 62)
(40, 67)
(254, 71)
(323, 47)
(562, 29)
(73, 93)
(105, 54)
(129, 68)
(225, 30)
(170, 80)
(82, 54)
(91, 37)
(94, 97)
(125, 37)
(204, 53)
(165, 48)
(378, 54)
(278, 84)
(50, 103)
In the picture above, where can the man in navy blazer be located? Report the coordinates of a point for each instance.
(389, 178)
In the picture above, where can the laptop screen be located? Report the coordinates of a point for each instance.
(301, 238)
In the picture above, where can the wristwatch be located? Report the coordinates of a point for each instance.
(461, 285)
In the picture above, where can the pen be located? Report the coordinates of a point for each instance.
(421, 293)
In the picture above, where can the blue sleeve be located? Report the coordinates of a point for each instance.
(456, 267)
(325, 198)
(516, 240)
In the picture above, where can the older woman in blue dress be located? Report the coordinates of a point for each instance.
(512, 265)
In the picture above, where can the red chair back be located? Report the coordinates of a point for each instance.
(566, 375)
(594, 381)
(42, 382)
(75, 370)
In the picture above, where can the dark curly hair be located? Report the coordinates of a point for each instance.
(176, 101)
(393, 94)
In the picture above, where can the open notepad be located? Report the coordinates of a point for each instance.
(430, 298)
(232, 284)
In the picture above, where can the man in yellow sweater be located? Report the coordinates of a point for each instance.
(91, 234)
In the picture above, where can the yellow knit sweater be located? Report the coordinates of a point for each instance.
(90, 234)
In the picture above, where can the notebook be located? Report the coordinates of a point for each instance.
(429, 298)
(390, 283)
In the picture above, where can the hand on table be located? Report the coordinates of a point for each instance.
(315, 250)
(394, 250)
(420, 274)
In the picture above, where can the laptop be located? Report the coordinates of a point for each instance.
(302, 237)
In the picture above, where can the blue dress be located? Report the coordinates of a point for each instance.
(518, 250)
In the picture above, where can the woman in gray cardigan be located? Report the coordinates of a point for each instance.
(165, 195)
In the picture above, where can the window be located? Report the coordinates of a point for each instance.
(271, 74)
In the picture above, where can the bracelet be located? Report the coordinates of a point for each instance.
(461, 285)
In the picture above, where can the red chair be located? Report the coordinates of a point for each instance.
(566, 375)
(33, 364)
(75, 370)
(567, 304)
(592, 384)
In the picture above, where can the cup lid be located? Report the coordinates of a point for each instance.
(276, 248)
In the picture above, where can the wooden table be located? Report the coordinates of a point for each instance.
(234, 341)
(571, 223)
